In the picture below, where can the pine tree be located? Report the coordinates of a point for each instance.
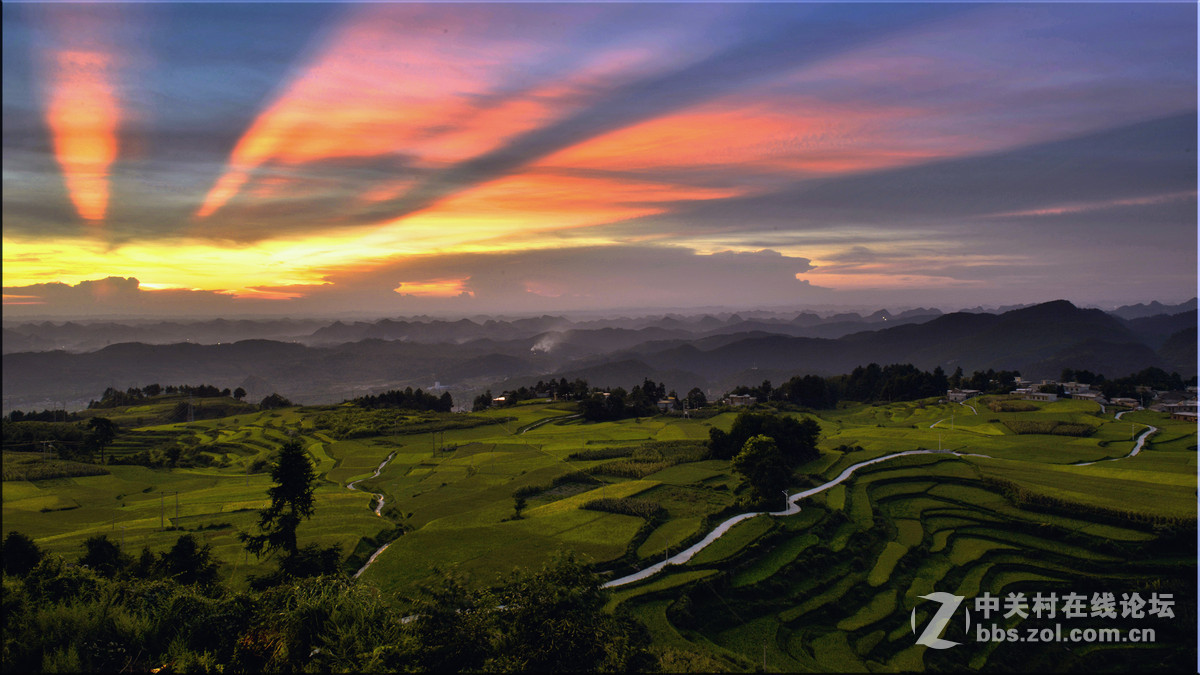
(291, 501)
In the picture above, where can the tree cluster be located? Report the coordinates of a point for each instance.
(408, 399)
(796, 439)
(43, 416)
(870, 383)
(766, 449)
(1154, 378)
(895, 382)
(616, 403)
(560, 389)
(186, 562)
(115, 398)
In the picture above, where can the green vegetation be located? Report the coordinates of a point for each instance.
(830, 587)
(60, 617)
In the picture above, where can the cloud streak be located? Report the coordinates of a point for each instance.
(272, 154)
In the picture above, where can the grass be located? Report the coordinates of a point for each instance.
(856, 558)
(887, 560)
(738, 537)
(770, 564)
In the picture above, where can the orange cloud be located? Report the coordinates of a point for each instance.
(543, 201)
(385, 84)
(760, 133)
(22, 300)
(435, 288)
(82, 114)
(381, 86)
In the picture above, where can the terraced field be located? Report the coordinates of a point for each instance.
(839, 585)
(836, 586)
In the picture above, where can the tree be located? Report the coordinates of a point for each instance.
(104, 556)
(20, 554)
(696, 398)
(239, 393)
(482, 401)
(101, 434)
(274, 401)
(291, 501)
(764, 468)
(190, 563)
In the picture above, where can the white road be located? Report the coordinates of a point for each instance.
(792, 508)
(378, 497)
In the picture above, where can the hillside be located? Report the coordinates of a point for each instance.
(1039, 341)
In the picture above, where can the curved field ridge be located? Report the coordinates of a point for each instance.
(793, 508)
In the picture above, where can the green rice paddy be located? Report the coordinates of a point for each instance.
(830, 588)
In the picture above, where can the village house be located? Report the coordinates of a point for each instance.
(736, 400)
(960, 395)
(1072, 388)
(1183, 410)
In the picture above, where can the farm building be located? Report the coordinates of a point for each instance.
(960, 395)
(736, 400)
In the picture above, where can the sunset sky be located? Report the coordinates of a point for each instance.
(228, 159)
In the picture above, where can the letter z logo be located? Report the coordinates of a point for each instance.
(930, 637)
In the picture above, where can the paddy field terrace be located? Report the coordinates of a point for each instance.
(833, 587)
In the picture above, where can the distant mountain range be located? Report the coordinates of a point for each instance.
(315, 362)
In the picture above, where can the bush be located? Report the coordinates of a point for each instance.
(1053, 427)
(640, 508)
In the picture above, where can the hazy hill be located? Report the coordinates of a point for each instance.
(1039, 341)
(1140, 310)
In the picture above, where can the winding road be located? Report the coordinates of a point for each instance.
(378, 496)
(793, 508)
(1141, 440)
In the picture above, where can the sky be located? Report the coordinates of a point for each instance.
(172, 159)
